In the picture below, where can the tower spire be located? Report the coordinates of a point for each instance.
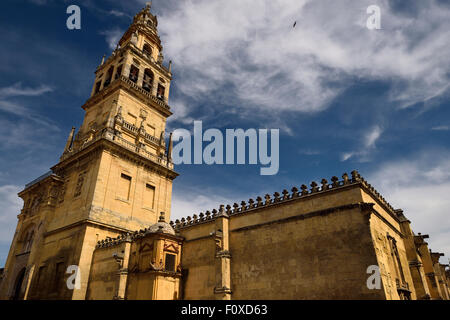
(69, 142)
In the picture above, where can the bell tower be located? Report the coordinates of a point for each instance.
(114, 176)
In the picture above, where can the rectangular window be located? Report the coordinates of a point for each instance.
(131, 118)
(151, 130)
(124, 187)
(119, 72)
(41, 275)
(170, 262)
(149, 196)
(59, 275)
(97, 86)
(79, 186)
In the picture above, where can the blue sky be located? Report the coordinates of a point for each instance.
(344, 97)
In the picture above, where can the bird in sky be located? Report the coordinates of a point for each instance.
(295, 23)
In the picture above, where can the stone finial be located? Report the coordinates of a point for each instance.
(69, 143)
(162, 217)
(285, 194)
(324, 184)
(228, 207)
(194, 218)
(355, 176)
(276, 197)
(304, 188)
(243, 206)
(222, 210)
(335, 181)
(345, 179)
(314, 187)
(202, 216)
(251, 203)
(236, 208)
(208, 215)
(259, 202)
(169, 147)
(294, 192)
(214, 213)
(267, 197)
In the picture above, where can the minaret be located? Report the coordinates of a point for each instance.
(113, 176)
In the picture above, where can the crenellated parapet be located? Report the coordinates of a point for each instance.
(284, 197)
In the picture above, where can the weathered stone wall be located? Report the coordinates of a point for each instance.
(312, 247)
(103, 278)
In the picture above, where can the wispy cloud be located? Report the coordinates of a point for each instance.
(17, 89)
(18, 109)
(251, 55)
(188, 203)
(367, 145)
(112, 37)
(441, 128)
(420, 185)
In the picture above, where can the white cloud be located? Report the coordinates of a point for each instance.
(186, 204)
(367, 145)
(250, 53)
(112, 37)
(11, 205)
(441, 128)
(420, 187)
(17, 89)
(372, 136)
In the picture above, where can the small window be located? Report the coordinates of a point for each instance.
(118, 72)
(109, 75)
(59, 275)
(149, 196)
(124, 187)
(41, 276)
(147, 50)
(148, 80)
(170, 262)
(97, 86)
(134, 73)
(161, 92)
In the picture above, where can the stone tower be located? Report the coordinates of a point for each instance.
(113, 177)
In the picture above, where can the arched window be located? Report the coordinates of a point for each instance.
(134, 73)
(147, 50)
(161, 91)
(26, 239)
(18, 285)
(109, 75)
(119, 72)
(147, 85)
(29, 241)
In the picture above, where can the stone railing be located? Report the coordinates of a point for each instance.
(124, 143)
(277, 198)
(130, 127)
(162, 103)
(132, 147)
(125, 237)
(135, 130)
